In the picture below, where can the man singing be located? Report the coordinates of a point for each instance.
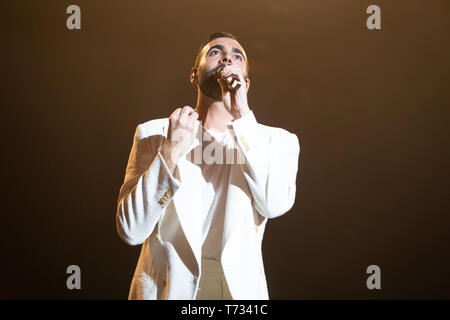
(200, 186)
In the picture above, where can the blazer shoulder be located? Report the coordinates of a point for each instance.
(278, 132)
(152, 128)
(280, 136)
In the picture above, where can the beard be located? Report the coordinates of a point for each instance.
(209, 85)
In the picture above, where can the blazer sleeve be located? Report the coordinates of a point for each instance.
(270, 165)
(147, 189)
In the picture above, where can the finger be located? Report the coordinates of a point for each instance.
(192, 118)
(233, 72)
(186, 111)
(230, 69)
(175, 114)
(194, 115)
(176, 111)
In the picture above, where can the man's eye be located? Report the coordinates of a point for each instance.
(213, 52)
(238, 57)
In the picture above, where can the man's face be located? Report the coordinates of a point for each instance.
(217, 52)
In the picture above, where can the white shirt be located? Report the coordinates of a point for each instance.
(214, 181)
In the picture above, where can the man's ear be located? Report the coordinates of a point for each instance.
(193, 76)
(247, 84)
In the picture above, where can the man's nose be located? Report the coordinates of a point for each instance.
(226, 58)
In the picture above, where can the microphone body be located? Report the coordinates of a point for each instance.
(232, 81)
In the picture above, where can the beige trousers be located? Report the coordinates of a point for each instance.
(213, 285)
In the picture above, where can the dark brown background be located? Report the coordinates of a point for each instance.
(371, 109)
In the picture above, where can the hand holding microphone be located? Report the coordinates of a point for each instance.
(234, 97)
(232, 81)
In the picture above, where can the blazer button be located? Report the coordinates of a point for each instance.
(163, 199)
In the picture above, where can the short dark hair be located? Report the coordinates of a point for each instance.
(213, 36)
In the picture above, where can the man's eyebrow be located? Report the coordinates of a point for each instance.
(217, 46)
(238, 51)
(221, 47)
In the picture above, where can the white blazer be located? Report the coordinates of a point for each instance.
(161, 211)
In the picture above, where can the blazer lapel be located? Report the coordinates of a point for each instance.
(187, 202)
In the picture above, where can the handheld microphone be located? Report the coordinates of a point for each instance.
(232, 81)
